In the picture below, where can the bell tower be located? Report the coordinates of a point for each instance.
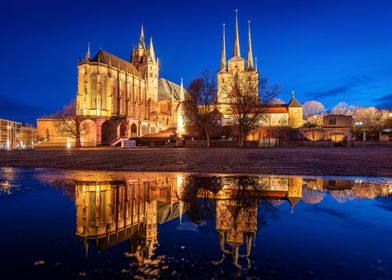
(147, 63)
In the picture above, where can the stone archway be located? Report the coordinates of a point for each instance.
(122, 130)
(109, 133)
(88, 137)
(133, 130)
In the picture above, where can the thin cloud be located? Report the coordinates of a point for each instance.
(349, 84)
(385, 101)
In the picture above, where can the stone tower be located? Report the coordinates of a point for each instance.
(295, 112)
(147, 63)
(236, 65)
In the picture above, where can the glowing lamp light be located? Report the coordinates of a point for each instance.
(180, 125)
(68, 145)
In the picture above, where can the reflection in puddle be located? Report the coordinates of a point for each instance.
(141, 213)
(128, 207)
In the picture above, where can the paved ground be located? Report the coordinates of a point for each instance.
(369, 161)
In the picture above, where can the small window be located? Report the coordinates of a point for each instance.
(332, 121)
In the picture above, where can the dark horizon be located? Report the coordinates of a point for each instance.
(331, 51)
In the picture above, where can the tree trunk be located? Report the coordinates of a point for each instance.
(78, 143)
(77, 134)
(241, 136)
(207, 138)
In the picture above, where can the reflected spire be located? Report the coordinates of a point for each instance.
(86, 247)
(181, 208)
(236, 49)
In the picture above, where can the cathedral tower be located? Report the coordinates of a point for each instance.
(234, 66)
(148, 65)
(236, 62)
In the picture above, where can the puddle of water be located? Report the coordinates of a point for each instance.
(108, 225)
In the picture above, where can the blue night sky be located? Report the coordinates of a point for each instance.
(331, 51)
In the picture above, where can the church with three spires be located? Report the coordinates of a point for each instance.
(274, 117)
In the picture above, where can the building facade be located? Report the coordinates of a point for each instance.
(14, 135)
(337, 128)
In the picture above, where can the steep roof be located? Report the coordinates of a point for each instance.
(106, 57)
(272, 108)
(166, 88)
(294, 103)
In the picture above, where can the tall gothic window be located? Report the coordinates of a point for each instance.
(93, 90)
(103, 92)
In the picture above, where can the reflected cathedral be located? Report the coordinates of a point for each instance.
(129, 207)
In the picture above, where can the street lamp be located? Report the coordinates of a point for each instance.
(8, 137)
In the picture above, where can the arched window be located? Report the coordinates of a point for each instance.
(93, 90)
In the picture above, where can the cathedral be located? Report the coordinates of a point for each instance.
(124, 99)
(118, 98)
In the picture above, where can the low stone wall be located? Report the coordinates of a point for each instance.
(213, 143)
(370, 143)
(288, 143)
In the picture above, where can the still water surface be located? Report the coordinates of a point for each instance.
(58, 224)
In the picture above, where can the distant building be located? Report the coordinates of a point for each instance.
(10, 134)
(14, 135)
(28, 136)
(315, 120)
(329, 127)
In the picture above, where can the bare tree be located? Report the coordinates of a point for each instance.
(369, 119)
(245, 103)
(343, 108)
(313, 107)
(268, 93)
(201, 105)
(68, 123)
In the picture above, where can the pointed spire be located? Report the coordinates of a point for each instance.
(141, 37)
(236, 49)
(249, 58)
(292, 94)
(151, 50)
(88, 52)
(182, 95)
(223, 56)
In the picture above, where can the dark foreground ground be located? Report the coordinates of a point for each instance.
(369, 161)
